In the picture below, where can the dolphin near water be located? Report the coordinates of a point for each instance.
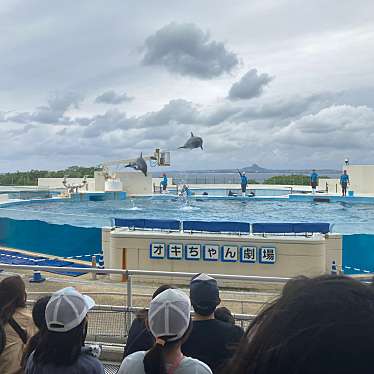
(193, 142)
(139, 164)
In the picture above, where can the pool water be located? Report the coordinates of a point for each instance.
(347, 219)
(225, 192)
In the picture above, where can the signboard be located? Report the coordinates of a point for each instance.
(248, 254)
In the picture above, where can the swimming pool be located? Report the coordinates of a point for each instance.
(347, 219)
(225, 192)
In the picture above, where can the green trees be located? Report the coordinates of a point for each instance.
(300, 180)
(30, 178)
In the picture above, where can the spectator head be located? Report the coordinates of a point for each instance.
(38, 312)
(65, 317)
(38, 316)
(169, 320)
(223, 314)
(142, 314)
(162, 288)
(2, 339)
(204, 294)
(319, 325)
(12, 297)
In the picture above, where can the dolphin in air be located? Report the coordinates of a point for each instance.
(139, 164)
(193, 142)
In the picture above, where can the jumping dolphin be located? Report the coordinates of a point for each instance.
(193, 142)
(139, 164)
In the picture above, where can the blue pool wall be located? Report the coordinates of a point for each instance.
(43, 237)
(358, 253)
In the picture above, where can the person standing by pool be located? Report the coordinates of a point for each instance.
(314, 181)
(243, 182)
(164, 183)
(344, 182)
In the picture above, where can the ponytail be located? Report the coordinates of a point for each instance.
(154, 360)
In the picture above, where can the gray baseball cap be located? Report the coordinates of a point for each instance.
(169, 314)
(66, 309)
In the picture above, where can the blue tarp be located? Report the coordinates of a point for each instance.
(358, 253)
(139, 223)
(272, 228)
(213, 226)
(321, 227)
(19, 258)
(287, 228)
(43, 237)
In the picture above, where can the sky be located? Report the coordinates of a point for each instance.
(280, 83)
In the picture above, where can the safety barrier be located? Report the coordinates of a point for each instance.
(143, 224)
(290, 228)
(224, 226)
(212, 226)
(110, 324)
(43, 237)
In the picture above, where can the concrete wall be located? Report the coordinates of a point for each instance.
(3, 197)
(294, 255)
(361, 178)
(333, 185)
(99, 181)
(136, 183)
(57, 182)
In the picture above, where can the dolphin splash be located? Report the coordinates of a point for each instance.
(139, 164)
(193, 142)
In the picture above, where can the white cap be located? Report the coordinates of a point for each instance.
(169, 314)
(66, 309)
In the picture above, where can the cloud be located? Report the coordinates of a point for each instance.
(112, 97)
(278, 131)
(52, 113)
(187, 50)
(341, 127)
(249, 86)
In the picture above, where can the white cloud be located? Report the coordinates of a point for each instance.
(187, 50)
(293, 123)
(340, 127)
(250, 85)
(112, 97)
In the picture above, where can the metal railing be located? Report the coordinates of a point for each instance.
(110, 324)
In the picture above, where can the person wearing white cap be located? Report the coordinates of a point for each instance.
(169, 320)
(61, 348)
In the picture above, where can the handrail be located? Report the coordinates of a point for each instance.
(151, 273)
(134, 309)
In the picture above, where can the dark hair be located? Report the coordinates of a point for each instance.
(38, 312)
(223, 314)
(154, 360)
(319, 325)
(12, 297)
(38, 316)
(142, 314)
(2, 339)
(60, 348)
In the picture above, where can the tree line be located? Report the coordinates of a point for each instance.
(299, 180)
(30, 178)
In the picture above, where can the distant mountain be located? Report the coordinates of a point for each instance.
(254, 168)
